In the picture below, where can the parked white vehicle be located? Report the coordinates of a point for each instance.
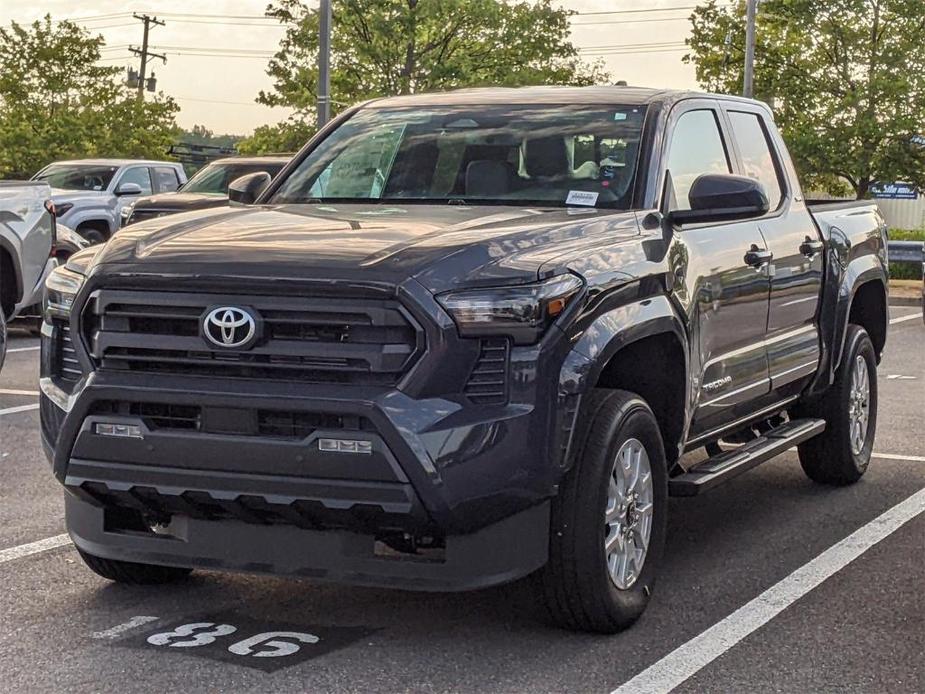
(89, 194)
(26, 244)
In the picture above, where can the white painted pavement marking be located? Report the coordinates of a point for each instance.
(911, 316)
(894, 456)
(13, 391)
(687, 660)
(19, 408)
(23, 349)
(31, 548)
(119, 629)
(900, 377)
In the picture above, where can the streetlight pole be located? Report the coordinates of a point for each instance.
(751, 12)
(324, 62)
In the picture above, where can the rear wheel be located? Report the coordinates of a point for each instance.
(841, 454)
(132, 573)
(609, 520)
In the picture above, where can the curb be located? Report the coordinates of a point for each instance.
(906, 301)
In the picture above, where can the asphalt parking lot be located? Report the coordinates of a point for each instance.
(770, 584)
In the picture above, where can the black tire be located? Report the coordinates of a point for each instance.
(830, 457)
(131, 573)
(92, 234)
(575, 585)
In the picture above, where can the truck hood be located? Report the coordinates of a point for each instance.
(442, 246)
(64, 195)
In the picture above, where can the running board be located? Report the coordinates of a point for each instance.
(721, 468)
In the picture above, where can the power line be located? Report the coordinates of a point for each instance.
(144, 53)
(642, 11)
(632, 21)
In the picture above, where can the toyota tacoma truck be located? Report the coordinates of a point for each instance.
(464, 338)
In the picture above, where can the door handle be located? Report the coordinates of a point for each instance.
(756, 257)
(811, 247)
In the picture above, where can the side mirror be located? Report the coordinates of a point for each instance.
(722, 197)
(128, 189)
(246, 189)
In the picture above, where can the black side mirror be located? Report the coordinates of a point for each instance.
(246, 189)
(722, 197)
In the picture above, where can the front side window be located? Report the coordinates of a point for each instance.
(215, 178)
(77, 176)
(757, 159)
(696, 148)
(139, 175)
(503, 155)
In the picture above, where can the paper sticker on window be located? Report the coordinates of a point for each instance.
(581, 197)
(619, 115)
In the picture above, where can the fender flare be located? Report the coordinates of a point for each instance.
(94, 214)
(835, 308)
(613, 330)
(7, 247)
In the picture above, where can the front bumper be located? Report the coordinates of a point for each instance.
(501, 552)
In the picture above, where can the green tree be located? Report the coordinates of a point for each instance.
(57, 101)
(846, 79)
(389, 47)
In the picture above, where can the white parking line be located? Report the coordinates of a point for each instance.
(894, 456)
(33, 548)
(23, 349)
(122, 628)
(12, 391)
(911, 316)
(19, 408)
(687, 660)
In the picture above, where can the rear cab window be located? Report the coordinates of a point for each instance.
(166, 179)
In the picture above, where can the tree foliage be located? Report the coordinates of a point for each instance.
(389, 47)
(846, 79)
(57, 101)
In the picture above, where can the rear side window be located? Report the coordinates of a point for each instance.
(165, 179)
(758, 159)
(696, 148)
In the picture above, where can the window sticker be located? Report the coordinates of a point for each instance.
(581, 197)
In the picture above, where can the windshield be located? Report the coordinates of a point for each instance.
(216, 177)
(77, 176)
(507, 155)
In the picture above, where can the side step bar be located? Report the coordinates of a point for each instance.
(723, 467)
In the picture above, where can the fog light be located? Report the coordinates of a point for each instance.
(125, 431)
(345, 446)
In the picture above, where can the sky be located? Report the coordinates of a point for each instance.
(216, 66)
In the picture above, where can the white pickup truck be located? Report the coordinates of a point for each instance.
(27, 245)
(89, 194)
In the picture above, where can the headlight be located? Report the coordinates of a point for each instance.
(523, 312)
(61, 288)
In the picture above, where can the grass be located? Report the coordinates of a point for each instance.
(906, 271)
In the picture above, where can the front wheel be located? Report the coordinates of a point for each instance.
(841, 454)
(130, 572)
(609, 520)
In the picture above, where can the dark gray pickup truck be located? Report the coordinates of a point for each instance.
(461, 339)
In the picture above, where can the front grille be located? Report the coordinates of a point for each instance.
(487, 384)
(315, 340)
(278, 424)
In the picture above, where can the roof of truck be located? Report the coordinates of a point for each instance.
(600, 94)
(116, 162)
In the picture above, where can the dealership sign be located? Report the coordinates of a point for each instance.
(894, 191)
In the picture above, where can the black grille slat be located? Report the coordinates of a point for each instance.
(488, 380)
(357, 341)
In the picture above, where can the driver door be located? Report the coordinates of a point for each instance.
(725, 298)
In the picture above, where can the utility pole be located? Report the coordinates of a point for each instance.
(324, 62)
(751, 12)
(144, 53)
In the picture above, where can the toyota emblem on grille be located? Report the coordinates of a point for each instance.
(229, 326)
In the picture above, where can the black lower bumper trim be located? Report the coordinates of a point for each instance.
(498, 553)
